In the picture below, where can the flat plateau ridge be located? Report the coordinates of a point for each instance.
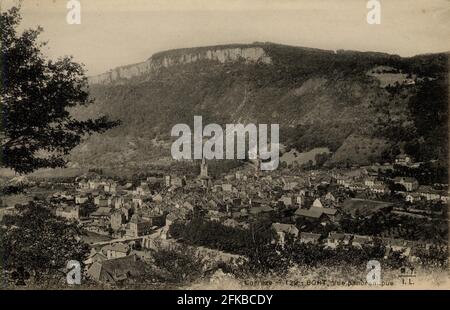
(180, 57)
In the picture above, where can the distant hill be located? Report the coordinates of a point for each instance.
(363, 106)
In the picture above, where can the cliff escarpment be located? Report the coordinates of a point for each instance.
(220, 54)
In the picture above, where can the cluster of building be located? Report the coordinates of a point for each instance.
(408, 248)
(411, 190)
(129, 213)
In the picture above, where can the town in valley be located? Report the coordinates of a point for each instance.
(125, 221)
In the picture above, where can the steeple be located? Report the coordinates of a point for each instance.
(204, 169)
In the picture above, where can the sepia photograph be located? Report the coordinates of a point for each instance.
(194, 145)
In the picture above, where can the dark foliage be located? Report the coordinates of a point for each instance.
(36, 94)
(40, 242)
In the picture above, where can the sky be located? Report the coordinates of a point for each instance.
(113, 33)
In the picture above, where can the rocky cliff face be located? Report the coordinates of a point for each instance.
(181, 57)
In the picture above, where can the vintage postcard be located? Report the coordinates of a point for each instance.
(224, 144)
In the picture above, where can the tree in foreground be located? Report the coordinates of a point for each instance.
(37, 129)
(33, 239)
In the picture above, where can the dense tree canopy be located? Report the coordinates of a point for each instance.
(38, 241)
(37, 129)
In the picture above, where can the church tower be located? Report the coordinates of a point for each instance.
(203, 169)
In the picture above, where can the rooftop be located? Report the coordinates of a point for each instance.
(364, 207)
